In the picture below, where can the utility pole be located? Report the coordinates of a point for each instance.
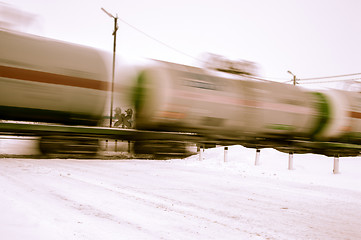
(113, 69)
(294, 78)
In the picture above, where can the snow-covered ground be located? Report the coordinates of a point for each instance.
(179, 199)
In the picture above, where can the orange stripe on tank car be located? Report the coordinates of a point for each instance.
(172, 115)
(355, 114)
(45, 77)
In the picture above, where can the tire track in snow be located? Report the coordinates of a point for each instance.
(262, 207)
(273, 210)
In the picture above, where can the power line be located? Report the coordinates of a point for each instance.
(160, 42)
(262, 79)
(336, 76)
(179, 51)
(247, 76)
(339, 80)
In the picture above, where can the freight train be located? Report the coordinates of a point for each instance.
(258, 114)
(44, 80)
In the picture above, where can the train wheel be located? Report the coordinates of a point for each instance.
(161, 149)
(62, 146)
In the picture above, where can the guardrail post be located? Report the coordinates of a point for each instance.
(199, 150)
(258, 152)
(290, 161)
(336, 164)
(225, 153)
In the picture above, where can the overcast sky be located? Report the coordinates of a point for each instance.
(311, 38)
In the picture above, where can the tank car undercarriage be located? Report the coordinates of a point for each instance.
(68, 145)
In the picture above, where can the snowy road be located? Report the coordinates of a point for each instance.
(176, 199)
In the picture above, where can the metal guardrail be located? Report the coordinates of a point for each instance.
(285, 145)
(26, 129)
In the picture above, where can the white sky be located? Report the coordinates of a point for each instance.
(311, 38)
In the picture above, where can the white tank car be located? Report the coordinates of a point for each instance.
(175, 97)
(343, 117)
(46, 80)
